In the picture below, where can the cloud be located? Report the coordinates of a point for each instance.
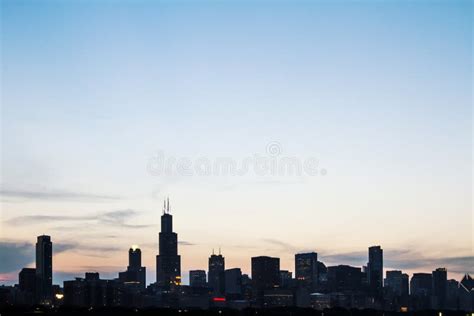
(16, 255)
(186, 243)
(285, 247)
(33, 219)
(118, 218)
(54, 195)
(113, 218)
(354, 258)
(404, 259)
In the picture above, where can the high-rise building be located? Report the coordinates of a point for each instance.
(265, 276)
(375, 270)
(343, 278)
(27, 280)
(285, 278)
(439, 288)
(233, 282)
(27, 286)
(420, 290)
(44, 268)
(197, 278)
(306, 270)
(396, 290)
(216, 273)
(134, 258)
(168, 262)
(466, 293)
(135, 272)
(397, 282)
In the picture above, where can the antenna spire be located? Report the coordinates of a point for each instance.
(219, 251)
(168, 207)
(164, 206)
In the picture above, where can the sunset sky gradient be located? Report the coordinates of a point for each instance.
(380, 93)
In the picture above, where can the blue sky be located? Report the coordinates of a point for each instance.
(380, 92)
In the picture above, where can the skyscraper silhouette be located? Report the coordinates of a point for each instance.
(265, 276)
(168, 262)
(216, 272)
(375, 270)
(439, 288)
(44, 268)
(306, 270)
(135, 272)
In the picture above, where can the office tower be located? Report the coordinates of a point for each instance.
(168, 262)
(134, 258)
(306, 270)
(439, 288)
(396, 282)
(420, 290)
(375, 270)
(265, 276)
(452, 294)
(197, 278)
(322, 274)
(44, 269)
(216, 273)
(285, 278)
(343, 278)
(466, 293)
(27, 280)
(233, 282)
(396, 290)
(92, 291)
(135, 272)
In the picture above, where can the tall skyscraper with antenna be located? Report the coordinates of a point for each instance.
(168, 262)
(216, 272)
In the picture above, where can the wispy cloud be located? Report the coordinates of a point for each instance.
(284, 246)
(119, 218)
(404, 259)
(32, 219)
(16, 255)
(186, 243)
(54, 195)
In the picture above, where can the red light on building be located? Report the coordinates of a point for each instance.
(218, 299)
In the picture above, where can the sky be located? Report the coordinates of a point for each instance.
(345, 124)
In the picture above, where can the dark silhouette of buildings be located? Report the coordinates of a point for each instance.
(44, 269)
(135, 272)
(375, 271)
(216, 273)
(197, 278)
(306, 270)
(168, 262)
(314, 286)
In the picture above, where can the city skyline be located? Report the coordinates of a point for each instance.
(170, 262)
(95, 93)
(315, 285)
